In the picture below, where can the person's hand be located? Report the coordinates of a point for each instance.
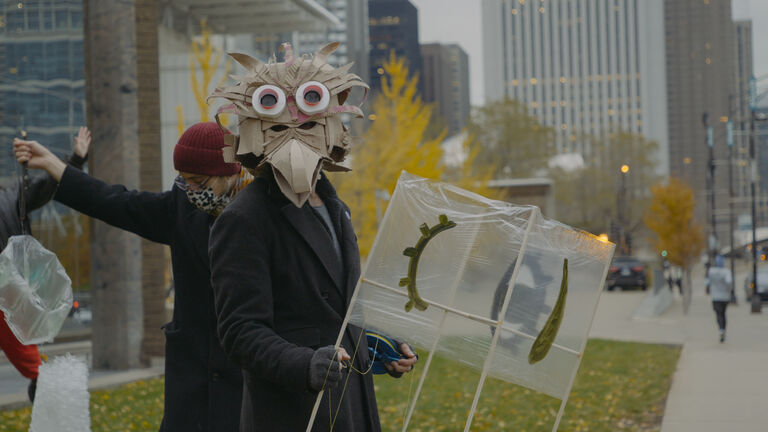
(404, 365)
(82, 141)
(325, 367)
(38, 157)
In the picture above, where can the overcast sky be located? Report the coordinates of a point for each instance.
(459, 21)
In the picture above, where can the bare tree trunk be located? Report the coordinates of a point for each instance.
(123, 113)
(687, 290)
(153, 260)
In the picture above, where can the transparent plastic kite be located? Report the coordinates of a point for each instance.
(491, 285)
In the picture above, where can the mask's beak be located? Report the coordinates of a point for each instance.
(296, 168)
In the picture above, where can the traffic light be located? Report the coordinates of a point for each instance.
(664, 253)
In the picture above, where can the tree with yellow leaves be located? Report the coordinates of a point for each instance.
(670, 217)
(395, 141)
(207, 59)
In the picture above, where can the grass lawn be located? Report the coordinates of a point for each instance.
(620, 386)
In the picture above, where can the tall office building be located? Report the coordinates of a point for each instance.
(581, 66)
(352, 32)
(41, 74)
(700, 85)
(445, 82)
(393, 25)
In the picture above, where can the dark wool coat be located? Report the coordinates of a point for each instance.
(203, 390)
(277, 300)
(40, 190)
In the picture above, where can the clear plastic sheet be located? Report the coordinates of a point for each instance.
(464, 275)
(35, 291)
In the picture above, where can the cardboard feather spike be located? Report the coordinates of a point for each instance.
(35, 291)
(492, 288)
(289, 117)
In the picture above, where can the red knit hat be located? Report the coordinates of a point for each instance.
(199, 151)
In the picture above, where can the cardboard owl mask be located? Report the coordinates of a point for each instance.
(289, 117)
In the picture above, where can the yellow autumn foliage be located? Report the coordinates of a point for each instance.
(670, 217)
(395, 141)
(206, 58)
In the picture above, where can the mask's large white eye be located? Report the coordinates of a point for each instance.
(268, 100)
(312, 97)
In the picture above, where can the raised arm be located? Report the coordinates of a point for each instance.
(42, 186)
(149, 215)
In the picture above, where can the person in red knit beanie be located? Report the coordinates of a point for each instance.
(203, 389)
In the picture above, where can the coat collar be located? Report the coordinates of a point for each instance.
(308, 226)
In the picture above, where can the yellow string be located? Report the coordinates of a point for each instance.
(346, 381)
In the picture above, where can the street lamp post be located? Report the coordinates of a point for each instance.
(621, 213)
(756, 303)
(710, 140)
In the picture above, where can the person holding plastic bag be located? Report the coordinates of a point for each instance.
(202, 387)
(40, 190)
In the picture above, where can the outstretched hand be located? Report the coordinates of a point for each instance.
(82, 141)
(38, 157)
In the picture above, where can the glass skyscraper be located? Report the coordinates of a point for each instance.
(41, 75)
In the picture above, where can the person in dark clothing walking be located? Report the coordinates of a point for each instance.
(719, 279)
(40, 189)
(203, 389)
(284, 256)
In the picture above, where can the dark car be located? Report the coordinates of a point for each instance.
(762, 284)
(626, 272)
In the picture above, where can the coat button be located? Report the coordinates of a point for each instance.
(325, 295)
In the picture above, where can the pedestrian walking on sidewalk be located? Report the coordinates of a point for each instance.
(720, 279)
(40, 190)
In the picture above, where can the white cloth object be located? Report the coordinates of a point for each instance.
(61, 400)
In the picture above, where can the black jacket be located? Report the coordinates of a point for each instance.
(272, 267)
(203, 390)
(40, 190)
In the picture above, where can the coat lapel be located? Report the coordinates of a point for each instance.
(318, 239)
(349, 250)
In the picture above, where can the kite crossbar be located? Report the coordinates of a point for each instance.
(473, 317)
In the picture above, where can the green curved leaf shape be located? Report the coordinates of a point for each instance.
(546, 337)
(414, 253)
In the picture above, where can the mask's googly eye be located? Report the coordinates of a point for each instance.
(312, 97)
(268, 101)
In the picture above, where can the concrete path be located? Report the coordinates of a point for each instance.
(716, 387)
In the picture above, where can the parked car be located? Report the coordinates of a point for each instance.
(626, 272)
(762, 284)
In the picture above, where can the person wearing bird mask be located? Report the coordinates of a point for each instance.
(284, 256)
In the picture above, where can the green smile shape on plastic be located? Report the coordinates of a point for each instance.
(414, 253)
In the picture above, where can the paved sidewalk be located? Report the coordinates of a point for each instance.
(716, 387)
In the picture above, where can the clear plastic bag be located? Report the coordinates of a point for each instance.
(35, 291)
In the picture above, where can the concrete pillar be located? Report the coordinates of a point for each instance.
(123, 114)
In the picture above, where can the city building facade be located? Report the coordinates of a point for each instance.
(581, 66)
(445, 83)
(41, 75)
(393, 26)
(700, 95)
